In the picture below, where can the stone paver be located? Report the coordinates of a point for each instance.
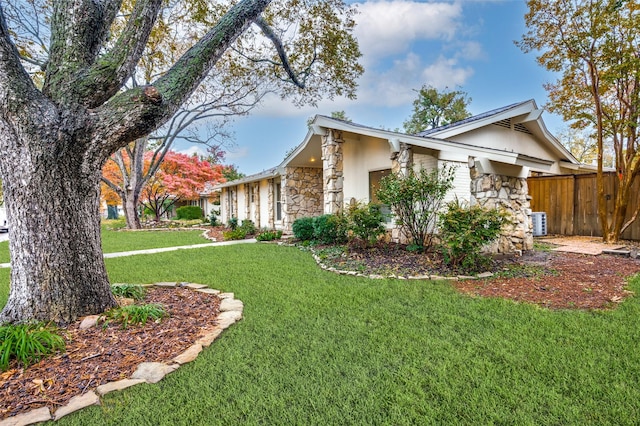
(33, 416)
(76, 403)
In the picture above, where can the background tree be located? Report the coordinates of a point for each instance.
(582, 144)
(57, 133)
(433, 109)
(180, 177)
(230, 172)
(593, 45)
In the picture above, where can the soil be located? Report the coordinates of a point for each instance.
(99, 355)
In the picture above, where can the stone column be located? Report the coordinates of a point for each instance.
(332, 165)
(247, 201)
(512, 194)
(402, 162)
(271, 188)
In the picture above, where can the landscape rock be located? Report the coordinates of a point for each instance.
(76, 403)
(33, 416)
(153, 372)
(226, 295)
(119, 385)
(189, 355)
(89, 321)
(208, 291)
(208, 338)
(225, 319)
(231, 305)
(194, 286)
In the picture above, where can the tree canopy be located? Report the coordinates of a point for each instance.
(433, 108)
(593, 46)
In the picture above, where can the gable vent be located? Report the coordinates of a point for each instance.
(520, 128)
(504, 123)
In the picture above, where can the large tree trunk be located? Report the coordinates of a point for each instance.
(58, 271)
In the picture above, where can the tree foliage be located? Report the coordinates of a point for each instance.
(593, 46)
(416, 199)
(432, 109)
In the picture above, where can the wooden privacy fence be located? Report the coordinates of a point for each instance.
(571, 203)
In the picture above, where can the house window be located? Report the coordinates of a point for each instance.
(278, 201)
(374, 185)
(230, 199)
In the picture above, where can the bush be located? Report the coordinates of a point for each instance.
(416, 200)
(248, 226)
(234, 234)
(303, 228)
(365, 221)
(269, 235)
(213, 218)
(464, 231)
(28, 343)
(330, 228)
(189, 212)
(233, 223)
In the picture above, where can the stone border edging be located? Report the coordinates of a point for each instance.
(230, 312)
(432, 277)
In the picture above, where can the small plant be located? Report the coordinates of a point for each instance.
(189, 212)
(248, 226)
(303, 228)
(365, 222)
(213, 219)
(136, 314)
(27, 343)
(130, 291)
(233, 223)
(330, 228)
(234, 234)
(269, 235)
(464, 231)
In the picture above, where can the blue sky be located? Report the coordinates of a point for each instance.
(464, 45)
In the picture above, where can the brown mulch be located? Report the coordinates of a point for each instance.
(108, 353)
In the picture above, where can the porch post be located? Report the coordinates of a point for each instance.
(270, 204)
(332, 165)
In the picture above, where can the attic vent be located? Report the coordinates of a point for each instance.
(504, 123)
(520, 128)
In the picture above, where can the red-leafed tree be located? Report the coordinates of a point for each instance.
(180, 177)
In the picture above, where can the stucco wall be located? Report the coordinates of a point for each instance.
(361, 157)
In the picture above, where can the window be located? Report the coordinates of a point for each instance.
(374, 184)
(278, 201)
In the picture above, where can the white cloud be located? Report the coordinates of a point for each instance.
(236, 153)
(389, 27)
(194, 149)
(446, 72)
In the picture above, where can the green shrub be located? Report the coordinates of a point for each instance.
(330, 228)
(136, 314)
(416, 200)
(303, 228)
(464, 231)
(189, 212)
(365, 221)
(234, 234)
(27, 343)
(269, 235)
(213, 218)
(233, 223)
(248, 226)
(131, 291)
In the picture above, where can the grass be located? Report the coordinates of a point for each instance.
(136, 314)
(28, 343)
(315, 348)
(115, 240)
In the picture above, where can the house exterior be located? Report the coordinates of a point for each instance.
(340, 162)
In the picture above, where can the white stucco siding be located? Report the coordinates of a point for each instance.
(241, 214)
(461, 182)
(359, 158)
(264, 204)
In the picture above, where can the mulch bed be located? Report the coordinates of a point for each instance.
(108, 353)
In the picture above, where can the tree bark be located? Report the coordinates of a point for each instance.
(58, 271)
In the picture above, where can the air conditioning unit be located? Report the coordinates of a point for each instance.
(539, 221)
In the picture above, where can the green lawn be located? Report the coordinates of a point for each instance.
(116, 241)
(315, 348)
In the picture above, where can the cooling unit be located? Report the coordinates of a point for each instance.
(539, 221)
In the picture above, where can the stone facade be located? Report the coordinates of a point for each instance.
(332, 164)
(402, 162)
(271, 188)
(303, 195)
(511, 193)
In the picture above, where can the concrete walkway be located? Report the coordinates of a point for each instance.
(165, 249)
(582, 245)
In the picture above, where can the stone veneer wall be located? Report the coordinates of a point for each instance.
(332, 164)
(271, 188)
(303, 195)
(511, 193)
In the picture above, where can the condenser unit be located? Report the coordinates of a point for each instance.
(539, 222)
